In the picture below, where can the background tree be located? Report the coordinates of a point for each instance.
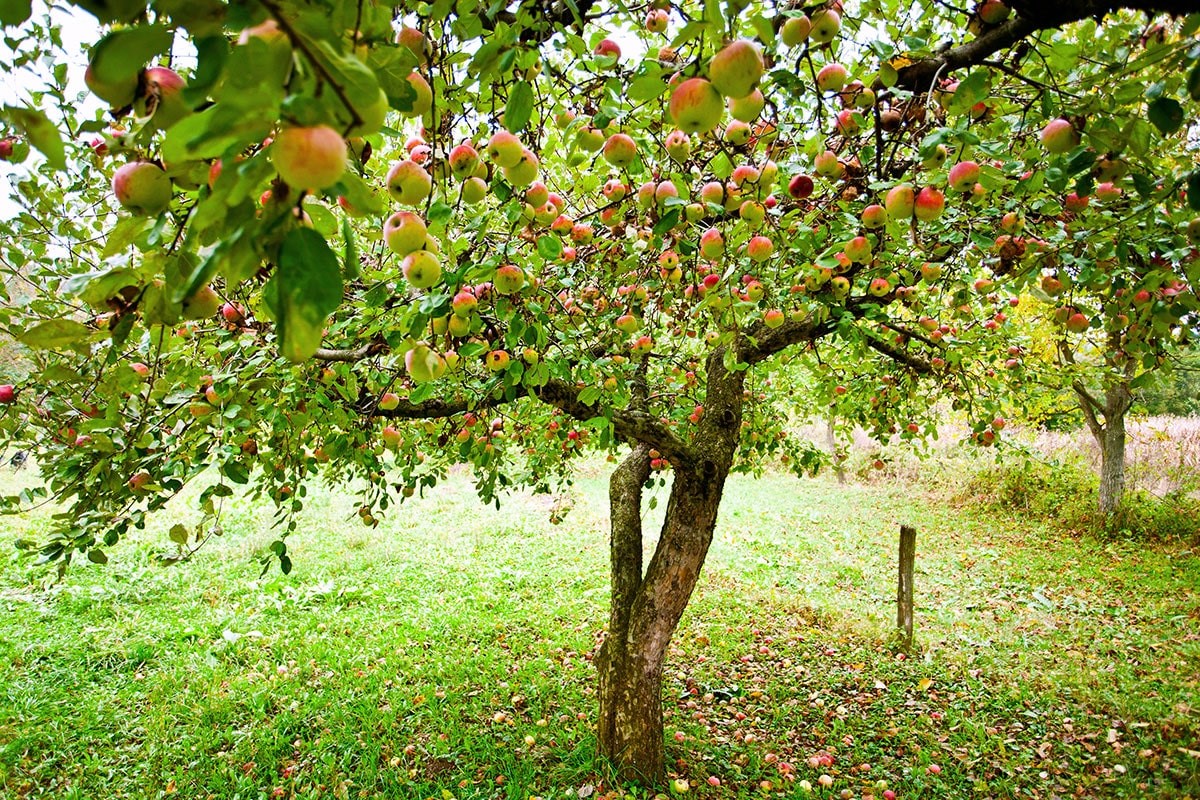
(359, 242)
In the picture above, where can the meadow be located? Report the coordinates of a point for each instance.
(446, 654)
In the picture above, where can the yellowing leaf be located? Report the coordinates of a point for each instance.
(924, 684)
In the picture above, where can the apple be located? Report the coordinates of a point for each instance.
(1078, 322)
(408, 182)
(504, 149)
(118, 94)
(525, 171)
(760, 248)
(963, 176)
(8, 393)
(696, 106)
(404, 232)
(736, 69)
(162, 99)
(642, 346)
(879, 287)
(874, 216)
(423, 103)
(773, 318)
(846, 123)
(840, 286)
(795, 30)
(142, 187)
(930, 204)
(309, 158)
(1059, 136)
(509, 279)
(496, 360)
(1107, 192)
(747, 108)
(930, 272)
(827, 165)
(1011, 222)
(463, 161)
(832, 77)
(858, 250)
(233, 314)
(936, 158)
(620, 150)
(139, 481)
(203, 304)
(608, 48)
(389, 401)
(900, 202)
(1075, 204)
(421, 269)
(414, 41)
(992, 12)
(737, 133)
(825, 25)
(656, 20)
(680, 786)
(627, 323)
(800, 186)
(678, 146)
(423, 364)
(712, 243)
(473, 191)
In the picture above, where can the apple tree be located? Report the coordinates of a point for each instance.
(360, 241)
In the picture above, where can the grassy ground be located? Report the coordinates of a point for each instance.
(446, 654)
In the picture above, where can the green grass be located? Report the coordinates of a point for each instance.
(448, 651)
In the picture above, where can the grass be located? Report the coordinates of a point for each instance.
(447, 653)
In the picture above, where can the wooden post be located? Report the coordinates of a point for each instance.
(904, 587)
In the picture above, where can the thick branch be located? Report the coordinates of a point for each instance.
(356, 354)
(1089, 405)
(915, 363)
(759, 342)
(1030, 17)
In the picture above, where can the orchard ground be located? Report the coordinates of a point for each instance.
(446, 654)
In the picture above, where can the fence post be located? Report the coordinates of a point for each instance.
(904, 587)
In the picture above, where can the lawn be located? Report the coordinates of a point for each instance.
(447, 652)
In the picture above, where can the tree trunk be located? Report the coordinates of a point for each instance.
(831, 443)
(1109, 434)
(1112, 453)
(646, 610)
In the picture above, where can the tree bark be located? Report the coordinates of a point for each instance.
(646, 609)
(1106, 422)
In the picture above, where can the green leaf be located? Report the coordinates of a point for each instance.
(1193, 190)
(646, 88)
(549, 247)
(96, 556)
(178, 534)
(669, 220)
(519, 107)
(1166, 114)
(1193, 84)
(121, 55)
(305, 289)
(41, 134)
(235, 472)
(55, 334)
(14, 12)
(350, 252)
(590, 395)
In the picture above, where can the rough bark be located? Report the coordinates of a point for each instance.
(646, 609)
(1106, 422)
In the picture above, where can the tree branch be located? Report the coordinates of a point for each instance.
(1031, 16)
(915, 363)
(759, 342)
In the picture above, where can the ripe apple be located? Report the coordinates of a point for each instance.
(930, 204)
(309, 158)
(963, 176)
(900, 202)
(162, 99)
(504, 149)
(992, 12)
(608, 48)
(142, 187)
(414, 41)
(678, 145)
(825, 25)
(1075, 204)
(509, 279)
(712, 243)
(463, 160)
(139, 481)
(389, 401)
(642, 346)
(832, 77)
(874, 216)
(840, 286)
(879, 287)
(858, 250)
(1011, 222)
(736, 69)
(424, 99)
(525, 171)
(801, 186)
(1107, 192)
(1078, 322)
(696, 106)
(408, 183)
(846, 123)
(795, 30)
(496, 360)
(737, 133)
(620, 150)
(827, 165)
(760, 248)
(931, 272)
(656, 20)
(233, 314)
(627, 323)
(1059, 136)
(404, 232)
(747, 108)
(421, 269)
(8, 393)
